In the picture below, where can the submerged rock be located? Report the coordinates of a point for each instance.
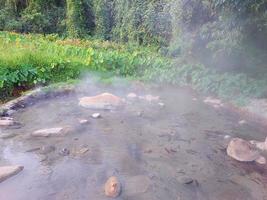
(137, 185)
(244, 151)
(112, 187)
(7, 135)
(9, 171)
(103, 101)
(131, 96)
(59, 131)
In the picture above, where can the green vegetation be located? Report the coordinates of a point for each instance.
(28, 60)
(216, 46)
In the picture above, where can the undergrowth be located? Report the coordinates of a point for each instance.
(30, 60)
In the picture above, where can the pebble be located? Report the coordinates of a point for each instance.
(83, 121)
(96, 115)
(148, 151)
(112, 187)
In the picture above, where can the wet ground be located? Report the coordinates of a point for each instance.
(175, 152)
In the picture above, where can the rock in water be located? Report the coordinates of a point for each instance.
(8, 171)
(6, 121)
(131, 96)
(150, 98)
(244, 151)
(96, 115)
(83, 121)
(59, 131)
(103, 101)
(112, 187)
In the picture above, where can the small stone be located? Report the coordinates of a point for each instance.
(161, 104)
(112, 187)
(9, 171)
(96, 115)
(83, 150)
(83, 121)
(186, 180)
(242, 122)
(64, 152)
(140, 113)
(227, 137)
(148, 151)
(131, 96)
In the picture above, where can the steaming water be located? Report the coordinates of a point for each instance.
(163, 146)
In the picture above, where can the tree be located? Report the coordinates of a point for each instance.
(79, 18)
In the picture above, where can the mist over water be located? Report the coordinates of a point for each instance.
(152, 149)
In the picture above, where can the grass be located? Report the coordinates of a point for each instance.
(29, 60)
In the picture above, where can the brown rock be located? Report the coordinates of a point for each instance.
(9, 171)
(102, 101)
(243, 151)
(112, 187)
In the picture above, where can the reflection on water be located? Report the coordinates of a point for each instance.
(172, 152)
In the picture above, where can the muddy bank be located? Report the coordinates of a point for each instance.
(172, 150)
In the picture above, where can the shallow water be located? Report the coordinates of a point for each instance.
(151, 153)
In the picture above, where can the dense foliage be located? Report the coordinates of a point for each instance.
(224, 34)
(227, 37)
(30, 60)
